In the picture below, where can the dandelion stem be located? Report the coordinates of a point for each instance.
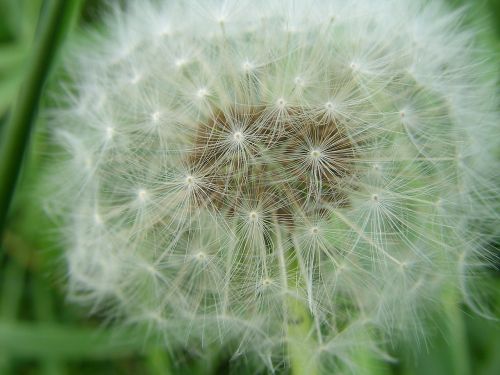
(298, 319)
(15, 137)
(158, 361)
(300, 330)
(456, 333)
(300, 339)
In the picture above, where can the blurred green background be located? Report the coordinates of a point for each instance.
(41, 333)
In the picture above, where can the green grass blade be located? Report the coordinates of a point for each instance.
(15, 136)
(50, 340)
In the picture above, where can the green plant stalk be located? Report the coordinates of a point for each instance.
(15, 137)
(158, 361)
(299, 347)
(456, 335)
(299, 327)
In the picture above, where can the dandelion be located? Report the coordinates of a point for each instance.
(280, 177)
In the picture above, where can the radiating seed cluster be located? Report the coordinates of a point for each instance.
(271, 173)
(298, 163)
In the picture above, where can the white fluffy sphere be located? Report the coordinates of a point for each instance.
(276, 173)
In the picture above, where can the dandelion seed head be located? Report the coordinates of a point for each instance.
(262, 155)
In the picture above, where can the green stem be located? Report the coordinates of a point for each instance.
(456, 335)
(158, 361)
(15, 136)
(301, 343)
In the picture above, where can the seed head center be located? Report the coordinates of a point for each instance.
(314, 230)
(262, 164)
(253, 215)
(142, 195)
(201, 256)
(238, 136)
(266, 282)
(155, 116)
(315, 154)
(247, 66)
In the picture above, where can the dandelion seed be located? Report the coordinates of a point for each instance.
(200, 256)
(315, 154)
(281, 103)
(314, 230)
(253, 216)
(98, 219)
(299, 81)
(247, 66)
(142, 195)
(267, 282)
(202, 93)
(135, 79)
(329, 106)
(110, 131)
(180, 62)
(155, 116)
